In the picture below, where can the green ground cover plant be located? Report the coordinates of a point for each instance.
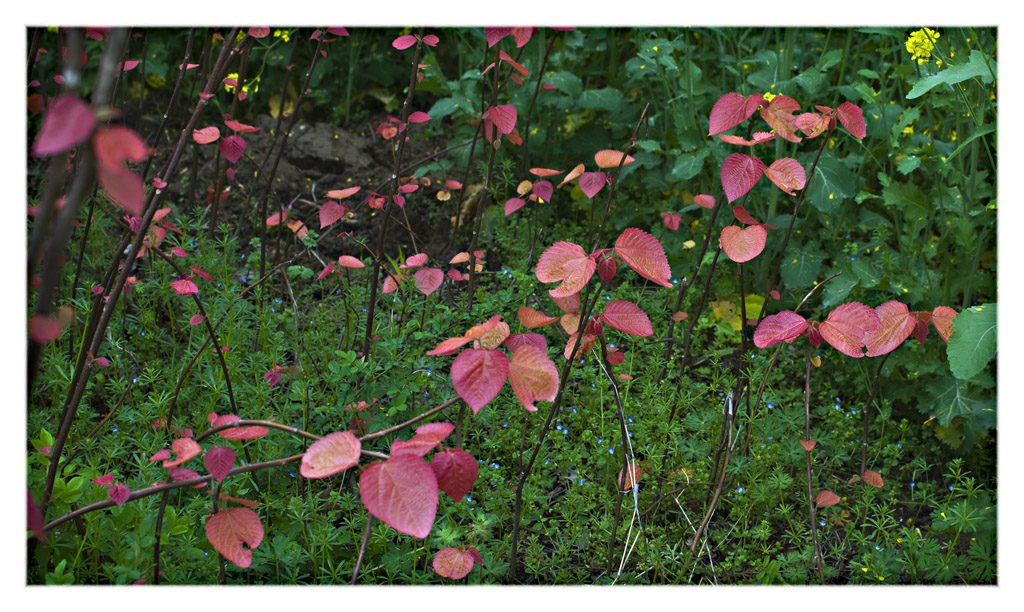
(511, 305)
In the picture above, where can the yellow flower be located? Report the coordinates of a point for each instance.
(768, 97)
(228, 87)
(908, 130)
(921, 43)
(155, 81)
(282, 34)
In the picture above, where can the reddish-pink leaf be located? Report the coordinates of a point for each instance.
(495, 34)
(428, 280)
(812, 124)
(758, 138)
(942, 319)
(846, 327)
(779, 115)
(105, 480)
(542, 172)
(808, 445)
(347, 261)
(671, 220)
(628, 318)
(178, 474)
(743, 244)
(852, 118)
(240, 127)
(184, 287)
(479, 331)
(206, 135)
(196, 319)
(895, 325)
(679, 316)
(218, 461)
(232, 148)
(739, 174)
(331, 212)
(787, 174)
(453, 563)
(179, 252)
(573, 174)
(532, 319)
(644, 253)
(123, 187)
(543, 190)
(781, 327)
(404, 42)
(615, 357)
(117, 144)
(606, 269)
(592, 182)
(517, 340)
(732, 109)
(414, 261)
(826, 498)
(608, 158)
(259, 31)
(511, 62)
(229, 529)
(68, 122)
(184, 449)
(568, 263)
(704, 200)
(341, 194)
(160, 455)
(455, 470)
(119, 493)
(630, 476)
(330, 455)
(504, 117)
(426, 439)
(272, 378)
(43, 329)
(586, 345)
(743, 216)
(102, 362)
(478, 375)
(873, 478)
(533, 376)
(238, 433)
(327, 270)
(402, 492)
(449, 346)
(430, 40)
(513, 204)
(419, 117)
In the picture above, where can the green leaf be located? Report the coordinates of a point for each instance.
(608, 98)
(688, 165)
(973, 343)
(838, 288)
(983, 130)
(975, 67)
(801, 267)
(565, 82)
(831, 58)
(947, 398)
(831, 184)
(908, 164)
(908, 198)
(444, 107)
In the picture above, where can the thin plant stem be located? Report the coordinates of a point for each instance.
(807, 453)
(867, 412)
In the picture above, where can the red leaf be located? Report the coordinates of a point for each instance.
(808, 444)
(428, 280)
(218, 461)
(196, 319)
(504, 117)
(232, 148)
(606, 269)
(201, 273)
(545, 172)
(615, 357)
(495, 34)
(478, 375)
(453, 563)
(513, 204)
(68, 122)
(852, 118)
(543, 190)
(532, 319)
(117, 144)
(237, 433)
(739, 173)
(455, 470)
(533, 376)
(743, 216)
(574, 173)
(679, 316)
(787, 174)
(743, 244)
(895, 325)
(732, 109)
(184, 449)
(43, 329)
(160, 455)
(632, 476)
(123, 187)
(206, 135)
(426, 439)
(419, 117)
(331, 454)
(347, 261)
(105, 480)
(331, 212)
(608, 158)
(341, 194)
(229, 529)
(517, 340)
(119, 493)
(846, 327)
(184, 287)
(827, 498)
(628, 318)
(704, 200)
(240, 127)
(449, 346)
(102, 362)
(780, 327)
(779, 115)
(643, 252)
(272, 378)
(592, 182)
(873, 478)
(567, 263)
(402, 492)
(812, 124)
(511, 62)
(586, 345)
(404, 42)
(414, 261)
(942, 319)
(671, 220)
(758, 138)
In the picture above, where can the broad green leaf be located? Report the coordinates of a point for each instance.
(801, 266)
(908, 164)
(982, 131)
(607, 98)
(976, 66)
(947, 398)
(831, 184)
(973, 342)
(838, 288)
(688, 165)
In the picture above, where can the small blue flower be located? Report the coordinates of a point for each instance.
(469, 498)
(206, 553)
(581, 481)
(574, 410)
(739, 489)
(505, 424)
(593, 384)
(599, 440)
(292, 474)
(899, 445)
(877, 547)
(770, 405)
(630, 419)
(558, 427)
(912, 483)
(950, 486)
(771, 437)
(494, 480)
(837, 407)
(495, 465)
(115, 431)
(610, 345)
(611, 450)
(822, 522)
(430, 372)
(854, 411)
(852, 258)
(135, 380)
(547, 461)
(565, 431)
